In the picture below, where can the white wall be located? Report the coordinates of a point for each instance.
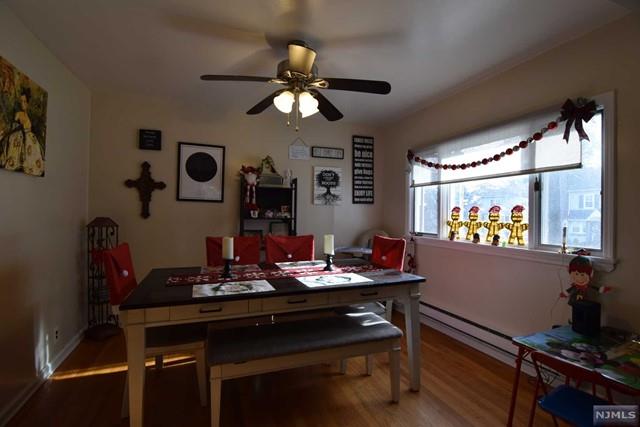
(174, 234)
(42, 221)
(514, 296)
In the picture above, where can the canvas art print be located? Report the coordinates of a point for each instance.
(23, 121)
(327, 186)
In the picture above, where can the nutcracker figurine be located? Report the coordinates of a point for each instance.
(473, 225)
(454, 223)
(251, 177)
(494, 225)
(516, 226)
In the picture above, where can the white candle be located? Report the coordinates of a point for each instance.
(227, 248)
(328, 244)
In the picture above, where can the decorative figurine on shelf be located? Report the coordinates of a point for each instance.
(251, 177)
(494, 225)
(581, 274)
(495, 241)
(516, 226)
(473, 225)
(267, 165)
(454, 223)
(476, 238)
(268, 174)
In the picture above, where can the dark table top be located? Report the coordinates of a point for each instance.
(154, 292)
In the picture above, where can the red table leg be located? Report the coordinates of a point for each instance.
(522, 353)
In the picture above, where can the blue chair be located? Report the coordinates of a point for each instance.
(566, 402)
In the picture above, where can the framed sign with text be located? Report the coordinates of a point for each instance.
(363, 170)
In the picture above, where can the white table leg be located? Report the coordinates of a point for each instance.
(412, 322)
(135, 360)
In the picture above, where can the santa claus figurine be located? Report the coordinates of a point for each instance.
(251, 178)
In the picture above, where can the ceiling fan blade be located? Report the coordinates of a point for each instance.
(217, 77)
(327, 109)
(264, 104)
(355, 85)
(301, 57)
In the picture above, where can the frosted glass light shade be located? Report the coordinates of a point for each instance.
(284, 101)
(308, 104)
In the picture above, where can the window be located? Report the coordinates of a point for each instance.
(558, 187)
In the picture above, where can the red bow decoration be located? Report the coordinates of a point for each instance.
(577, 114)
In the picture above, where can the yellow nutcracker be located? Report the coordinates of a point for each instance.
(493, 225)
(454, 223)
(516, 226)
(473, 225)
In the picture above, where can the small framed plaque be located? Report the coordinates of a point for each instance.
(149, 139)
(327, 152)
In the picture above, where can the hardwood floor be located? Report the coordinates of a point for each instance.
(460, 387)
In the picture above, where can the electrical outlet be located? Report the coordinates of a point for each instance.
(57, 334)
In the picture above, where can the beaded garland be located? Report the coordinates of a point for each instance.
(520, 146)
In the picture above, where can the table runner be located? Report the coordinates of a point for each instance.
(275, 273)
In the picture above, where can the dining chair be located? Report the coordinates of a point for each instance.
(162, 340)
(246, 250)
(289, 248)
(569, 403)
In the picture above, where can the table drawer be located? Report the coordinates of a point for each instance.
(358, 295)
(216, 309)
(294, 302)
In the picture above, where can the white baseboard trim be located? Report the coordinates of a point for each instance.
(491, 344)
(25, 394)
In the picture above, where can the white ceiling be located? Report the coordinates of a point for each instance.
(424, 48)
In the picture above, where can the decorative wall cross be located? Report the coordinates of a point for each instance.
(145, 185)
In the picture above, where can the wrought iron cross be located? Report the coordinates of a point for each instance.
(145, 185)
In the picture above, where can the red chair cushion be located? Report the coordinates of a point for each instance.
(246, 250)
(388, 252)
(118, 269)
(289, 248)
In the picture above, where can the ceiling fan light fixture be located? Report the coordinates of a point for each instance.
(284, 101)
(308, 104)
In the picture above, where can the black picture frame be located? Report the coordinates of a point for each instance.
(363, 168)
(320, 152)
(150, 139)
(186, 185)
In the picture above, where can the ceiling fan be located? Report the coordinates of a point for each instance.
(301, 95)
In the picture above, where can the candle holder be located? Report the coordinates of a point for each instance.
(329, 266)
(226, 273)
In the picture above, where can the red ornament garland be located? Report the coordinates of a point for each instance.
(570, 113)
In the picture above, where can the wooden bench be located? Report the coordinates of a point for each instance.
(240, 352)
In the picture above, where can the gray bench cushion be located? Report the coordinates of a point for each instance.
(368, 307)
(166, 336)
(279, 339)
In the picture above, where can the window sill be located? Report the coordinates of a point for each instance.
(533, 255)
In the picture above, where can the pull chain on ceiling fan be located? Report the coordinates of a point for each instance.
(301, 96)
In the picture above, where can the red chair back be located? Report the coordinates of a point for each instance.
(388, 252)
(118, 269)
(246, 250)
(289, 248)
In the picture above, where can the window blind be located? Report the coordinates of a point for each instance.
(551, 153)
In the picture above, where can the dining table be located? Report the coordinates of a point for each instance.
(170, 296)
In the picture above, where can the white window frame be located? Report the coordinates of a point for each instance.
(550, 254)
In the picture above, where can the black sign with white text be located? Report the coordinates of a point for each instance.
(362, 169)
